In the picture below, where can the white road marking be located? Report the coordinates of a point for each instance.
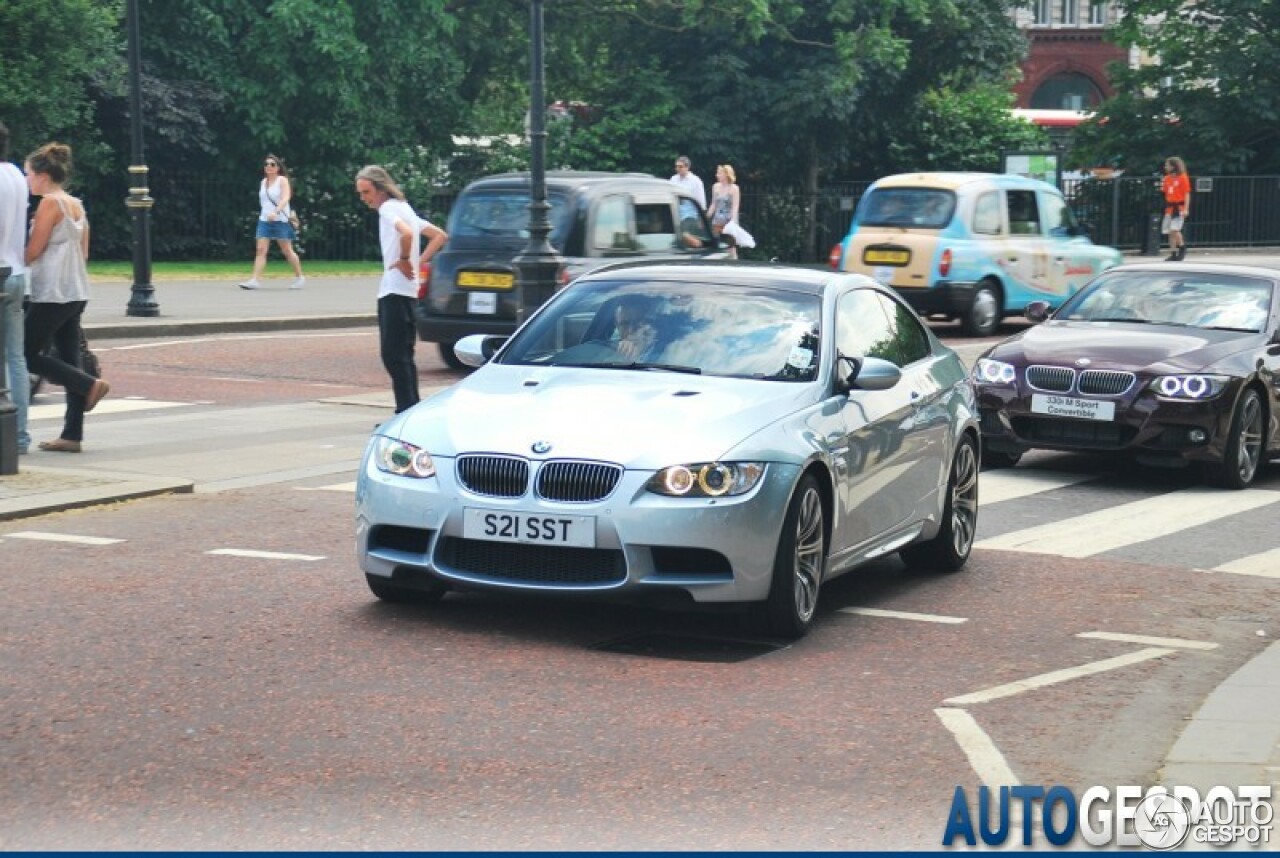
(996, 486)
(987, 761)
(336, 487)
(263, 555)
(1054, 677)
(1264, 565)
(62, 537)
(1131, 523)
(56, 410)
(1175, 643)
(902, 615)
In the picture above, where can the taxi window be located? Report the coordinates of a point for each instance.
(655, 228)
(612, 230)
(1024, 213)
(1059, 220)
(930, 208)
(986, 214)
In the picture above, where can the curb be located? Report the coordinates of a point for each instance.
(102, 488)
(161, 327)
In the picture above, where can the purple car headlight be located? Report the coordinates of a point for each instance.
(1192, 387)
(987, 371)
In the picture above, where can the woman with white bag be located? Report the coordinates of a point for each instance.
(725, 200)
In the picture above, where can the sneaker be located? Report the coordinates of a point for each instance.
(299, 283)
(249, 284)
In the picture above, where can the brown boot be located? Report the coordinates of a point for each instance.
(61, 445)
(94, 396)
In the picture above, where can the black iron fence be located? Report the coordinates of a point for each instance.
(213, 219)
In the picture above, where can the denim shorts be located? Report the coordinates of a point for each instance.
(276, 229)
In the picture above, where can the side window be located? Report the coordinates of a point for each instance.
(1024, 213)
(862, 328)
(986, 214)
(612, 229)
(655, 227)
(908, 342)
(1059, 220)
(695, 232)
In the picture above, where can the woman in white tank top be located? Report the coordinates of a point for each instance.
(56, 253)
(274, 196)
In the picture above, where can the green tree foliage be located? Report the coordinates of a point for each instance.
(1211, 93)
(55, 55)
(961, 130)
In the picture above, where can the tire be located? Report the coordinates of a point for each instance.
(385, 590)
(993, 459)
(948, 551)
(1243, 454)
(449, 357)
(798, 567)
(982, 319)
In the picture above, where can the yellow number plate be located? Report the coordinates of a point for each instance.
(886, 257)
(485, 280)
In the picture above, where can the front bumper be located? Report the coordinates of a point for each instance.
(1144, 424)
(708, 550)
(450, 329)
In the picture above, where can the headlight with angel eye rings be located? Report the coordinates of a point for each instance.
(1193, 386)
(706, 479)
(394, 456)
(987, 371)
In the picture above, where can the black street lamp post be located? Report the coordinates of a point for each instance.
(141, 297)
(538, 263)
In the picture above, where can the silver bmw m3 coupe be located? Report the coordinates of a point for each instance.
(704, 432)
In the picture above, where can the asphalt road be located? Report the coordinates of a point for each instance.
(208, 671)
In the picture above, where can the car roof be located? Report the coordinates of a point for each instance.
(953, 180)
(813, 281)
(1236, 268)
(574, 180)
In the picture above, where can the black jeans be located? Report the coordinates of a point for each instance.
(59, 324)
(398, 334)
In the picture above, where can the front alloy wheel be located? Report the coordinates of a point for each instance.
(799, 567)
(1243, 454)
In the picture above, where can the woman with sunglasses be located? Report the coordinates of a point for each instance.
(274, 194)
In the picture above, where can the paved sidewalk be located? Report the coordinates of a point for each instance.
(1232, 740)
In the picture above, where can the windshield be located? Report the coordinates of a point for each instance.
(502, 214)
(1194, 299)
(930, 208)
(701, 328)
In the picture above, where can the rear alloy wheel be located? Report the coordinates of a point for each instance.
(1240, 460)
(798, 568)
(983, 316)
(387, 591)
(449, 357)
(948, 551)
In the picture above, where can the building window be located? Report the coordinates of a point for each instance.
(1069, 91)
(1044, 13)
(1070, 12)
(1097, 12)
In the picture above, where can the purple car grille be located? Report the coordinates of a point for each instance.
(1057, 379)
(495, 476)
(578, 482)
(1105, 382)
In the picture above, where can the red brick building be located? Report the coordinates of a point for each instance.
(1066, 67)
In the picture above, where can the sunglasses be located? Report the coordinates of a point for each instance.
(270, 164)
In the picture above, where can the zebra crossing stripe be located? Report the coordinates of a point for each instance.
(335, 487)
(1131, 523)
(904, 615)
(62, 537)
(262, 555)
(997, 486)
(1264, 565)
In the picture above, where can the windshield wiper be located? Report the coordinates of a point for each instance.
(665, 367)
(1124, 319)
(1229, 328)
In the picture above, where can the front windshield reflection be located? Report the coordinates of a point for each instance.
(1193, 299)
(701, 328)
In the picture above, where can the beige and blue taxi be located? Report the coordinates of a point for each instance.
(971, 246)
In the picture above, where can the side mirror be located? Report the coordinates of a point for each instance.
(477, 349)
(1037, 311)
(876, 374)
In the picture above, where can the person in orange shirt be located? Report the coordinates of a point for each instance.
(1177, 206)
